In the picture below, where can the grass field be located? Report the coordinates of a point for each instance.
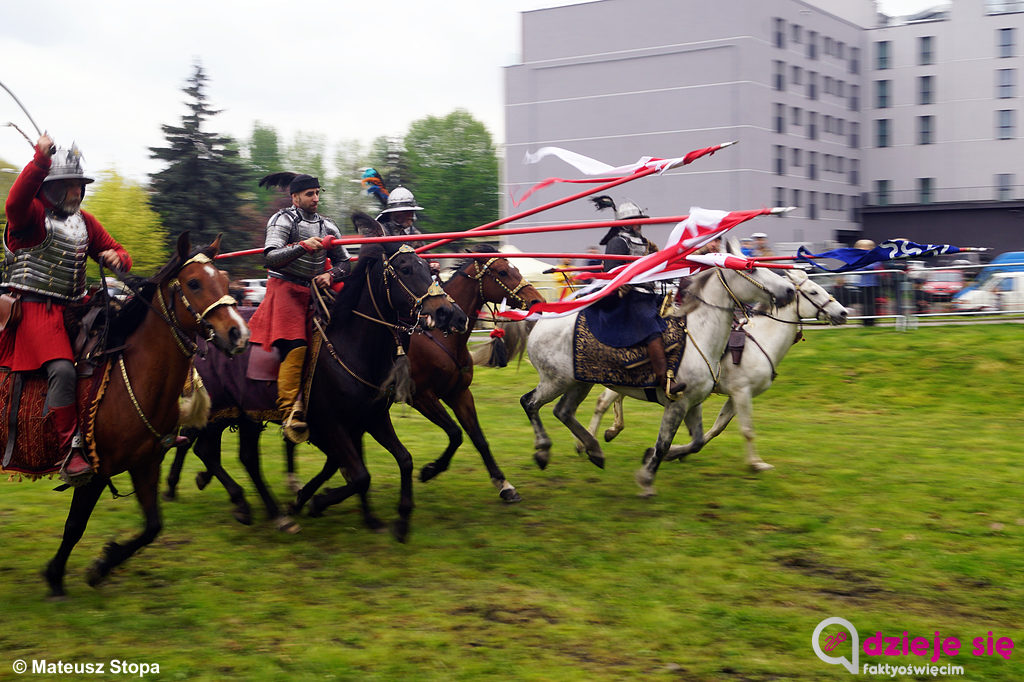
(895, 504)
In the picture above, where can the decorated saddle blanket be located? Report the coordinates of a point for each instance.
(624, 321)
(28, 440)
(598, 363)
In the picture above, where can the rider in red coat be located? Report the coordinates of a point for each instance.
(47, 240)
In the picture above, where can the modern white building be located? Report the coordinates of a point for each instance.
(867, 124)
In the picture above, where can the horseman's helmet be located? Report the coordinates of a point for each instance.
(401, 199)
(627, 209)
(67, 165)
(865, 244)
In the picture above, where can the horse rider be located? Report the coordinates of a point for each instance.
(46, 243)
(640, 301)
(296, 260)
(399, 216)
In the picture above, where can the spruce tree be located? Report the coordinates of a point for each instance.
(205, 183)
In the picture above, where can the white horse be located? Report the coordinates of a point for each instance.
(708, 304)
(768, 339)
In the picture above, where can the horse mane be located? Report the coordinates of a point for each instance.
(691, 293)
(347, 300)
(478, 248)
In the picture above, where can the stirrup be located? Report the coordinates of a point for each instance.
(80, 474)
(294, 426)
(671, 387)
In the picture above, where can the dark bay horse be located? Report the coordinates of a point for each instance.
(388, 295)
(442, 368)
(139, 406)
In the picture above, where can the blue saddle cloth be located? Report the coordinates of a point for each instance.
(626, 321)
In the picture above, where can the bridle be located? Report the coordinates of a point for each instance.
(182, 338)
(479, 271)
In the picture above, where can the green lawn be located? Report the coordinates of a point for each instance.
(895, 504)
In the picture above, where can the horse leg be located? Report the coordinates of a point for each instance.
(249, 454)
(744, 403)
(146, 479)
(207, 449)
(174, 474)
(82, 503)
(725, 415)
(345, 453)
(291, 476)
(303, 494)
(653, 457)
(428, 404)
(384, 433)
(608, 398)
(464, 408)
(545, 392)
(565, 412)
(695, 424)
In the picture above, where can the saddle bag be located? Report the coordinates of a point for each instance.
(10, 310)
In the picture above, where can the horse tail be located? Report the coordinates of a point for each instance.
(194, 403)
(400, 380)
(513, 345)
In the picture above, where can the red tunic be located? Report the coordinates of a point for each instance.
(284, 314)
(40, 336)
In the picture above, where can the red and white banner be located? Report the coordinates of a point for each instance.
(676, 260)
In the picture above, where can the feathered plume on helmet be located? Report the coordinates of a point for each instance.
(601, 203)
(293, 182)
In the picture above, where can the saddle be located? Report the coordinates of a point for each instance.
(597, 363)
(28, 440)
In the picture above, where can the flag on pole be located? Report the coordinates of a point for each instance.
(676, 260)
(891, 249)
(589, 166)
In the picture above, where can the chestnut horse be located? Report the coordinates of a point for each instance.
(139, 407)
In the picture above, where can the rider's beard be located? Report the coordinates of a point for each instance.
(62, 205)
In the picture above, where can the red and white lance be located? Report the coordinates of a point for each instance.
(676, 260)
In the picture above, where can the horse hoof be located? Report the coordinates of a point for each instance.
(400, 530)
(542, 457)
(293, 509)
(510, 495)
(287, 525)
(596, 460)
(203, 479)
(646, 492)
(57, 596)
(761, 466)
(428, 472)
(644, 478)
(168, 495)
(315, 508)
(243, 516)
(580, 448)
(609, 435)
(375, 524)
(95, 576)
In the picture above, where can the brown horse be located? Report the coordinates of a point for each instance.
(139, 406)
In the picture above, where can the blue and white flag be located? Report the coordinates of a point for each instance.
(891, 249)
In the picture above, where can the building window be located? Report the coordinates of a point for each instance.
(795, 116)
(812, 165)
(780, 196)
(812, 85)
(798, 158)
(841, 50)
(812, 205)
(882, 192)
(797, 76)
(882, 56)
(840, 88)
(925, 129)
(780, 160)
(829, 85)
(925, 91)
(854, 177)
(840, 126)
(780, 32)
(829, 46)
(854, 60)
(854, 135)
(812, 125)
(1004, 186)
(854, 98)
(1005, 124)
(1005, 80)
(780, 118)
(796, 35)
(925, 55)
(828, 123)
(883, 132)
(812, 44)
(1004, 42)
(780, 75)
(796, 198)
(882, 94)
(925, 187)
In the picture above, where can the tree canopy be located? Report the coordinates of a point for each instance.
(122, 207)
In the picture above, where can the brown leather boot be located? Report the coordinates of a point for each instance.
(75, 470)
(289, 383)
(664, 377)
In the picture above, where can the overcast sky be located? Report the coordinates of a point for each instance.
(108, 74)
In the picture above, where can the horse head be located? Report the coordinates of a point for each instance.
(816, 301)
(500, 281)
(429, 307)
(197, 296)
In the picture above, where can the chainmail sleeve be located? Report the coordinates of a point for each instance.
(276, 259)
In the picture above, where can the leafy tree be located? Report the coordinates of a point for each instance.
(264, 157)
(453, 171)
(205, 183)
(123, 208)
(8, 173)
